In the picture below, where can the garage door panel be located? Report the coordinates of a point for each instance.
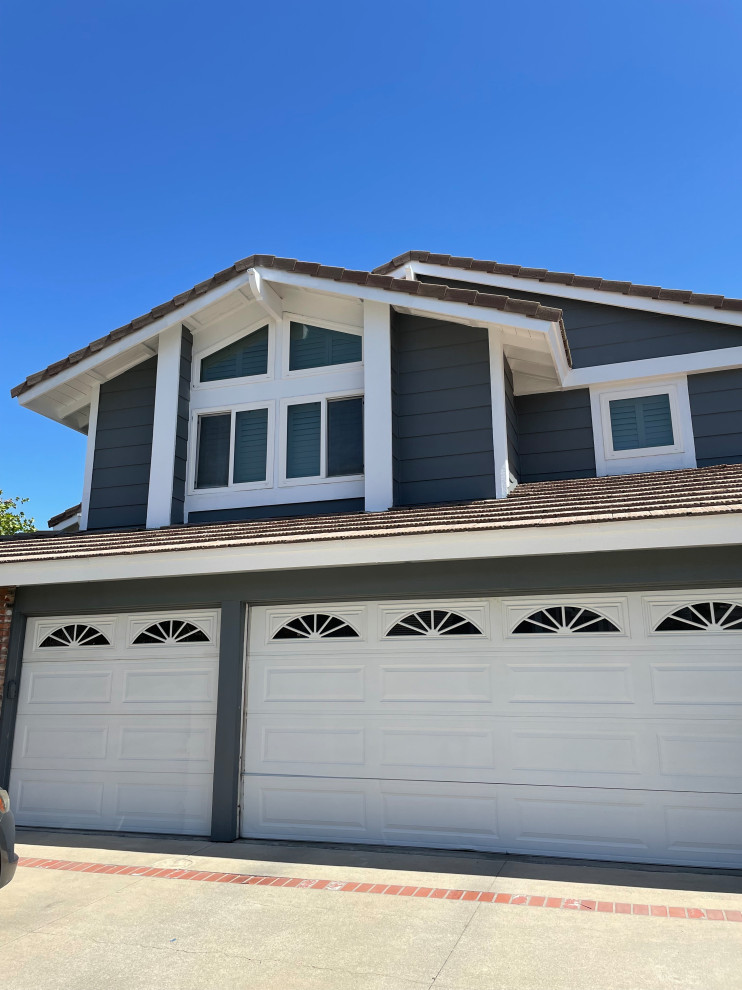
(572, 684)
(50, 686)
(697, 684)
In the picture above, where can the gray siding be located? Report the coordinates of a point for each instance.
(716, 410)
(512, 425)
(442, 410)
(600, 334)
(278, 511)
(555, 436)
(123, 449)
(181, 433)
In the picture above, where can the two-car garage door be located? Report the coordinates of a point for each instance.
(115, 726)
(606, 727)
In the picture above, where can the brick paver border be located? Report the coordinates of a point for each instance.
(395, 890)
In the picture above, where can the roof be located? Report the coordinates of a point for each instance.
(655, 495)
(409, 287)
(564, 278)
(61, 517)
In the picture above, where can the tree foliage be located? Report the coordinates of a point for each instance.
(12, 517)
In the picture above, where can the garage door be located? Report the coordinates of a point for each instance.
(604, 727)
(115, 726)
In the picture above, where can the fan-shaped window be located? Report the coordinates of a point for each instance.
(566, 619)
(317, 625)
(171, 631)
(703, 617)
(76, 634)
(434, 622)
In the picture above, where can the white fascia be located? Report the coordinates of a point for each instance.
(673, 364)
(721, 529)
(605, 298)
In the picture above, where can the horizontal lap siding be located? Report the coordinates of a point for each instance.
(716, 410)
(123, 449)
(555, 436)
(282, 511)
(181, 431)
(600, 334)
(512, 425)
(442, 412)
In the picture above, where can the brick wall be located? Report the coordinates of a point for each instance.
(7, 597)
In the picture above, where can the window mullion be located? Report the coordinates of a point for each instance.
(233, 419)
(323, 439)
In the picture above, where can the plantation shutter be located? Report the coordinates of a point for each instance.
(303, 437)
(245, 357)
(315, 347)
(644, 421)
(345, 436)
(212, 467)
(250, 445)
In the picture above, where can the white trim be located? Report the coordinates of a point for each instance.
(377, 407)
(631, 534)
(673, 364)
(67, 523)
(605, 298)
(198, 357)
(265, 296)
(321, 369)
(89, 456)
(244, 486)
(160, 495)
(322, 478)
(680, 454)
(499, 414)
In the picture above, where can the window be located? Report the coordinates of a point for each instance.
(317, 625)
(76, 634)
(324, 438)
(171, 631)
(233, 448)
(317, 347)
(703, 617)
(244, 358)
(565, 619)
(434, 622)
(644, 421)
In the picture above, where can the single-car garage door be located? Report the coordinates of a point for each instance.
(115, 726)
(594, 726)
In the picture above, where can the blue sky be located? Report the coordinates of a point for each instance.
(150, 144)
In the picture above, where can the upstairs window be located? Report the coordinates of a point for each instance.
(245, 358)
(318, 347)
(324, 438)
(233, 448)
(643, 421)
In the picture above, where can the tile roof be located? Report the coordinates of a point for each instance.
(564, 278)
(662, 494)
(472, 297)
(62, 516)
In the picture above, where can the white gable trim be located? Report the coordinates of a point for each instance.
(673, 364)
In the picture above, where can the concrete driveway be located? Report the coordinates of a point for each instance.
(355, 919)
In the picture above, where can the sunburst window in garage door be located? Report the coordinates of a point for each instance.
(171, 631)
(434, 622)
(565, 620)
(75, 634)
(316, 625)
(703, 617)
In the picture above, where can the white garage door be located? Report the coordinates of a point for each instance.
(604, 727)
(115, 726)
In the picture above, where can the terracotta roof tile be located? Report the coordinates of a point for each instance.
(656, 495)
(347, 275)
(67, 514)
(564, 278)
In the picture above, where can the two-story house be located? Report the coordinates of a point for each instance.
(444, 554)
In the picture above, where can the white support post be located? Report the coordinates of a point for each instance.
(159, 502)
(499, 413)
(377, 416)
(89, 457)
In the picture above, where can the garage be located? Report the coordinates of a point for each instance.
(600, 726)
(116, 720)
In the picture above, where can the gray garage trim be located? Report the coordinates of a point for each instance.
(123, 449)
(555, 436)
(716, 411)
(225, 796)
(10, 694)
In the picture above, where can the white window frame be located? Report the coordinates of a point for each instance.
(680, 454)
(323, 369)
(323, 478)
(245, 331)
(232, 411)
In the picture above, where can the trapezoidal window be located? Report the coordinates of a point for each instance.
(434, 622)
(244, 358)
(703, 617)
(76, 634)
(565, 620)
(171, 631)
(316, 625)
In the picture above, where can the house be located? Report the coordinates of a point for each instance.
(445, 554)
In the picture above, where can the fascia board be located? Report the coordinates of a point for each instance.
(682, 530)
(673, 364)
(517, 283)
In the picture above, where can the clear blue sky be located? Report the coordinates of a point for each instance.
(147, 145)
